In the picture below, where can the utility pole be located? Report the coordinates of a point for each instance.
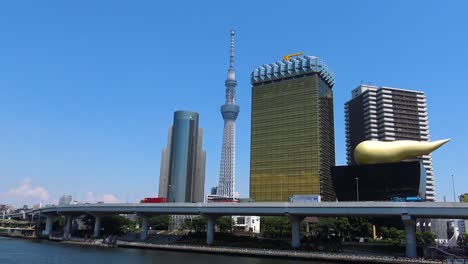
(357, 189)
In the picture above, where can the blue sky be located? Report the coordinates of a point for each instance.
(88, 88)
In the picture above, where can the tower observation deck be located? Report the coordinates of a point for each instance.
(229, 111)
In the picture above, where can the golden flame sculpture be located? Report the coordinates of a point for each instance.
(375, 152)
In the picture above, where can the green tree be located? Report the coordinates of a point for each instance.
(464, 198)
(332, 227)
(425, 239)
(325, 228)
(429, 238)
(275, 226)
(187, 224)
(88, 221)
(160, 222)
(59, 222)
(360, 227)
(384, 232)
(198, 224)
(115, 225)
(342, 226)
(396, 235)
(462, 240)
(225, 224)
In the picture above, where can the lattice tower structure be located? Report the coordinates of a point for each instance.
(229, 111)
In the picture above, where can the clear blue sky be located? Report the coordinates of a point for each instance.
(88, 88)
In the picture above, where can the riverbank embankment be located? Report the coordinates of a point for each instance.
(267, 253)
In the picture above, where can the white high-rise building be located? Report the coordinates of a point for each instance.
(387, 114)
(230, 112)
(65, 200)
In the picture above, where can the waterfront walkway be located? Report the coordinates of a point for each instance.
(275, 253)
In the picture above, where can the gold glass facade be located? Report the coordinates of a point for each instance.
(292, 138)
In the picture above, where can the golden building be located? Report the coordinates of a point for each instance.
(292, 133)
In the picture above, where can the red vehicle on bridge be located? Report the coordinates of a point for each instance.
(154, 200)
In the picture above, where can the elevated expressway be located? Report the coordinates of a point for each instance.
(406, 211)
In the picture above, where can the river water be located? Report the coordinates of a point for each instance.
(19, 251)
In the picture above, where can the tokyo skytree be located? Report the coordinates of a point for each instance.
(229, 110)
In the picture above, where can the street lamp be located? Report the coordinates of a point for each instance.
(357, 189)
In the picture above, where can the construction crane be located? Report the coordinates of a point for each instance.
(287, 57)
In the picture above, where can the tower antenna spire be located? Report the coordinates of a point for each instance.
(231, 54)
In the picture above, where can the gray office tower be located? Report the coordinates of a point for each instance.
(182, 175)
(387, 114)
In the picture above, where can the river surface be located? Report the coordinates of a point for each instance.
(19, 251)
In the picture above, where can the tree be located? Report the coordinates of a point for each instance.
(115, 225)
(275, 226)
(464, 198)
(88, 221)
(462, 240)
(384, 232)
(187, 224)
(225, 224)
(396, 235)
(160, 222)
(342, 226)
(198, 224)
(360, 227)
(325, 228)
(429, 238)
(59, 222)
(425, 239)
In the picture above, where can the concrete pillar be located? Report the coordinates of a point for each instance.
(295, 230)
(144, 228)
(97, 226)
(410, 232)
(210, 229)
(49, 226)
(67, 227)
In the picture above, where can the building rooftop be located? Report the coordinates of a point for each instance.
(295, 66)
(387, 87)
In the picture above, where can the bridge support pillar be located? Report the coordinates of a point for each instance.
(67, 227)
(295, 230)
(410, 233)
(97, 226)
(49, 225)
(144, 228)
(210, 229)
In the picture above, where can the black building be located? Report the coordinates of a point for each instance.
(379, 182)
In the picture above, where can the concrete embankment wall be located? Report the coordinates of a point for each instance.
(328, 257)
